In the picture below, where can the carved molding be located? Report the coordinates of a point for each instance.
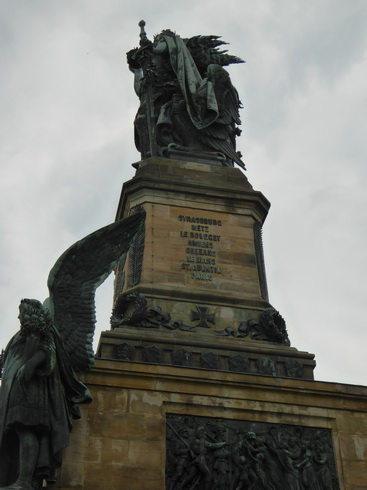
(271, 327)
(136, 254)
(131, 309)
(260, 260)
(120, 278)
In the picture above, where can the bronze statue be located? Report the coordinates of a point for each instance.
(40, 392)
(199, 469)
(188, 104)
(206, 452)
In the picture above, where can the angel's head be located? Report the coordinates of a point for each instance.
(168, 32)
(33, 317)
(160, 37)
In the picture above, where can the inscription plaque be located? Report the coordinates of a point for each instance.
(201, 236)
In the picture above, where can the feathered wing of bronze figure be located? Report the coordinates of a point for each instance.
(73, 282)
(186, 96)
(220, 135)
(54, 342)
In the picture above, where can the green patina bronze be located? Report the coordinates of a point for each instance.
(188, 105)
(40, 391)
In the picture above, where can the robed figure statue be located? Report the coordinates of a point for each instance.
(40, 391)
(188, 105)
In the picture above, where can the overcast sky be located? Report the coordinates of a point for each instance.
(66, 146)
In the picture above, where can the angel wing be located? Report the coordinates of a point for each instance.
(221, 134)
(73, 281)
(205, 52)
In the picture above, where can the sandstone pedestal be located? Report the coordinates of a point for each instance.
(200, 240)
(120, 442)
(193, 290)
(195, 347)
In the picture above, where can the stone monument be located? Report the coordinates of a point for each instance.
(196, 384)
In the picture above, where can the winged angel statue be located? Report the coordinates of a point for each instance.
(40, 391)
(187, 101)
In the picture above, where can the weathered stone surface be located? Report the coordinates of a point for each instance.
(211, 240)
(191, 344)
(122, 437)
(124, 446)
(123, 426)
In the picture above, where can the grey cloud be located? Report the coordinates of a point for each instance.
(66, 146)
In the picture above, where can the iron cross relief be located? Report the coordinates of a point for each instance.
(203, 316)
